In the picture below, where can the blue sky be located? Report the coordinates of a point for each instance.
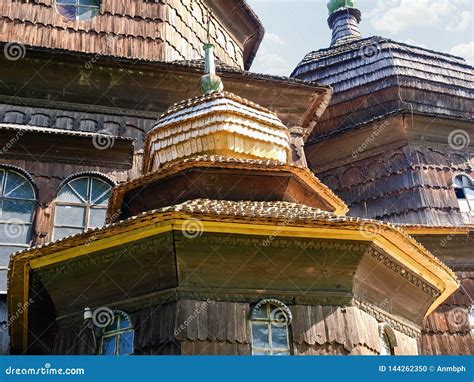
(295, 27)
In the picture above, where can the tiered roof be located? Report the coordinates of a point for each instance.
(376, 76)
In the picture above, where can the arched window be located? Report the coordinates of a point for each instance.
(388, 340)
(17, 208)
(117, 338)
(270, 320)
(464, 188)
(81, 204)
(78, 9)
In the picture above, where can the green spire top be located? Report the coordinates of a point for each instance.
(210, 82)
(333, 5)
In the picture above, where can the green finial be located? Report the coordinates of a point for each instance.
(333, 5)
(210, 82)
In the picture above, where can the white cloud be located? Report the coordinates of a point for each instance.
(411, 14)
(463, 23)
(465, 50)
(270, 56)
(273, 39)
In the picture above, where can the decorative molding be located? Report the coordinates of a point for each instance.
(280, 242)
(404, 327)
(402, 271)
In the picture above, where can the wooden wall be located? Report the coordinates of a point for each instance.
(407, 185)
(161, 30)
(446, 331)
(47, 178)
(191, 327)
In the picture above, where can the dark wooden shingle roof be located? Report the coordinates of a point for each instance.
(375, 76)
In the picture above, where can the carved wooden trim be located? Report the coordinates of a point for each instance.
(404, 327)
(404, 272)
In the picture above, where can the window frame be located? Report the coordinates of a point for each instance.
(77, 4)
(462, 188)
(3, 183)
(88, 205)
(117, 333)
(268, 322)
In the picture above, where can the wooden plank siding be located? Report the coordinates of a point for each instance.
(396, 77)
(446, 331)
(190, 327)
(151, 30)
(406, 185)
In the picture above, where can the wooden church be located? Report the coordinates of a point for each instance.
(158, 198)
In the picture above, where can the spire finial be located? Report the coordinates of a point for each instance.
(210, 82)
(344, 21)
(334, 5)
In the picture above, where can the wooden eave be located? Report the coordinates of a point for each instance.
(426, 230)
(297, 103)
(393, 241)
(305, 175)
(250, 23)
(66, 146)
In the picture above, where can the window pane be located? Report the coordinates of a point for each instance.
(126, 343)
(89, 2)
(68, 11)
(70, 216)
(458, 182)
(100, 192)
(112, 326)
(261, 312)
(67, 195)
(460, 193)
(15, 233)
(86, 13)
(281, 353)
(279, 336)
(59, 233)
(81, 186)
(97, 217)
(260, 335)
(66, 1)
(108, 345)
(17, 210)
(469, 192)
(261, 352)
(18, 187)
(124, 323)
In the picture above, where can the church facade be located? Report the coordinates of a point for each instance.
(156, 202)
